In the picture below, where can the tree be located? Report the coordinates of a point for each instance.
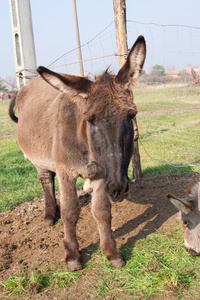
(2, 87)
(158, 70)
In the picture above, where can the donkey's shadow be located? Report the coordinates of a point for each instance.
(151, 191)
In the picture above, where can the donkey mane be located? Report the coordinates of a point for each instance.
(108, 98)
(111, 87)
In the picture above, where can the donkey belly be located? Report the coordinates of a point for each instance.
(36, 145)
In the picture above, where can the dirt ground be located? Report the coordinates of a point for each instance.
(26, 242)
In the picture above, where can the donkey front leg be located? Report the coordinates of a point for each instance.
(101, 210)
(51, 213)
(70, 210)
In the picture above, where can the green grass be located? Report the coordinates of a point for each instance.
(7, 127)
(18, 177)
(162, 98)
(32, 282)
(174, 139)
(157, 265)
(170, 138)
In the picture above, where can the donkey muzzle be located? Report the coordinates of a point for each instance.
(117, 190)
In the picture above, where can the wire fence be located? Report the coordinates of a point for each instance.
(166, 45)
(171, 113)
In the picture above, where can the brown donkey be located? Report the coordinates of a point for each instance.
(70, 126)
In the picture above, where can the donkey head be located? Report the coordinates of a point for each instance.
(190, 215)
(107, 106)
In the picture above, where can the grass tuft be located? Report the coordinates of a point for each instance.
(31, 282)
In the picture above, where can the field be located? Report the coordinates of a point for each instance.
(144, 225)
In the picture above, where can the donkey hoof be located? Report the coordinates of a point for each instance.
(74, 265)
(49, 222)
(117, 263)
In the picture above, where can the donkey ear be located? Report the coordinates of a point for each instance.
(65, 83)
(183, 205)
(130, 72)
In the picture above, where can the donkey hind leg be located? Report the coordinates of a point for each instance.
(101, 210)
(52, 211)
(70, 210)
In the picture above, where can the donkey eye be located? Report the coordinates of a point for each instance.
(93, 123)
(92, 120)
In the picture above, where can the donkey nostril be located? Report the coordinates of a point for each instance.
(117, 189)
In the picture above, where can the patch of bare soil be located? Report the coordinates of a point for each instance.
(26, 242)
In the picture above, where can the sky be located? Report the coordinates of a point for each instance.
(54, 34)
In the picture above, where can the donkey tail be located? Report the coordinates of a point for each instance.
(11, 110)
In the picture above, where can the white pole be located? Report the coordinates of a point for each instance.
(78, 38)
(23, 41)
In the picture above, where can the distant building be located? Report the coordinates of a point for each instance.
(169, 72)
(172, 72)
(149, 73)
(196, 70)
(188, 70)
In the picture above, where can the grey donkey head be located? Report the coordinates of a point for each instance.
(189, 208)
